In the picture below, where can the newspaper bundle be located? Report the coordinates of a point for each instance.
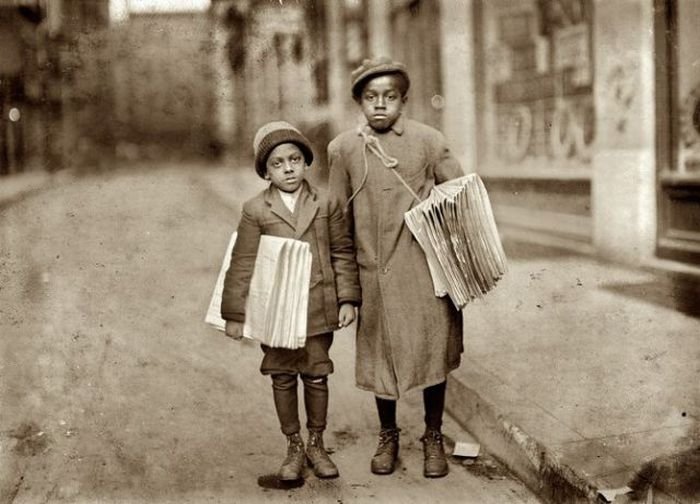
(456, 230)
(278, 296)
(213, 316)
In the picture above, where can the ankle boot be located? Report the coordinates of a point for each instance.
(435, 461)
(384, 460)
(294, 463)
(321, 463)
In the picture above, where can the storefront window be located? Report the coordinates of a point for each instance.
(687, 73)
(678, 129)
(537, 84)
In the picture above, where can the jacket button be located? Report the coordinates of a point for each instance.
(385, 270)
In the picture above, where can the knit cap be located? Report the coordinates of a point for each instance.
(374, 68)
(273, 134)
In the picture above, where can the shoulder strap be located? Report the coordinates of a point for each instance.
(405, 184)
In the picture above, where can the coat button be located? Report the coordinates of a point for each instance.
(385, 270)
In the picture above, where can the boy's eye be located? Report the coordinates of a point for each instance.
(369, 97)
(391, 97)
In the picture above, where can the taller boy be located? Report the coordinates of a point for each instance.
(407, 337)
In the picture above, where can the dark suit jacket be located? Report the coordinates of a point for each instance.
(317, 221)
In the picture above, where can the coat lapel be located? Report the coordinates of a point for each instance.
(307, 208)
(274, 201)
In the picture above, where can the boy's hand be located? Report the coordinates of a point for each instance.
(234, 329)
(346, 314)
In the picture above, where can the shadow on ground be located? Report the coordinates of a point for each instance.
(519, 251)
(675, 292)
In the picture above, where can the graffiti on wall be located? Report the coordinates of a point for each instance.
(542, 82)
(621, 89)
(690, 130)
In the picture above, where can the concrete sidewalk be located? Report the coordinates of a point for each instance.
(576, 372)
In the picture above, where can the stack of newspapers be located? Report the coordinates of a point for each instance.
(456, 229)
(277, 304)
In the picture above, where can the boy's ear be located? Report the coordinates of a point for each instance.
(404, 98)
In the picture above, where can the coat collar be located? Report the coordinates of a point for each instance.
(398, 127)
(306, 209)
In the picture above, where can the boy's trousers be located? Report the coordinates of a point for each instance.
(284, 387)
(313, 364)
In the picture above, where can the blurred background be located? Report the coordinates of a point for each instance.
(583, 116)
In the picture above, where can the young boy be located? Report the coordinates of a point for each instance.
(407, 337)
(291, 208)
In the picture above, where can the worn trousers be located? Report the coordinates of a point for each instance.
(284, 389)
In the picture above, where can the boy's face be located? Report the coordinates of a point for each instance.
(381, 101)
(285, 167)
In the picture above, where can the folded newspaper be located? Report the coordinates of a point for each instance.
(457, 232)
(213, 316)
(278, 296)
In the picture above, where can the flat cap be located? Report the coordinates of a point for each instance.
(374, 67)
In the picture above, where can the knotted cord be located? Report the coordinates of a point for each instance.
(371, 143)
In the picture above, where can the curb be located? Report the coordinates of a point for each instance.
(15, 188)
(539, 468)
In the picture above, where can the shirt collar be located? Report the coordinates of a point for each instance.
(290, 199)
(293, 195)
(305, 188)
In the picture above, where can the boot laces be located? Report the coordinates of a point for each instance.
(433, 444)
(315, 440)
(294, 444)
(386, 437)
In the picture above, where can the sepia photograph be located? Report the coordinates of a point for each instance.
(349, 251)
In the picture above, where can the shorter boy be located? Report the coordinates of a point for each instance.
(291, 208)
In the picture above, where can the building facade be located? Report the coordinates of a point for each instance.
(87, 82)
(28, 101)
(284, 60)
(582, 116)
(162, 92)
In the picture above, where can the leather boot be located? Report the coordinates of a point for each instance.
(384, 460)
(294, 463)
(435, 461)
(321, 463)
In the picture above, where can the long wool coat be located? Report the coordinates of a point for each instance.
(316, 220)
(407, 337)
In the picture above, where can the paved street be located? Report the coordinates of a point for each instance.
(113, 390)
